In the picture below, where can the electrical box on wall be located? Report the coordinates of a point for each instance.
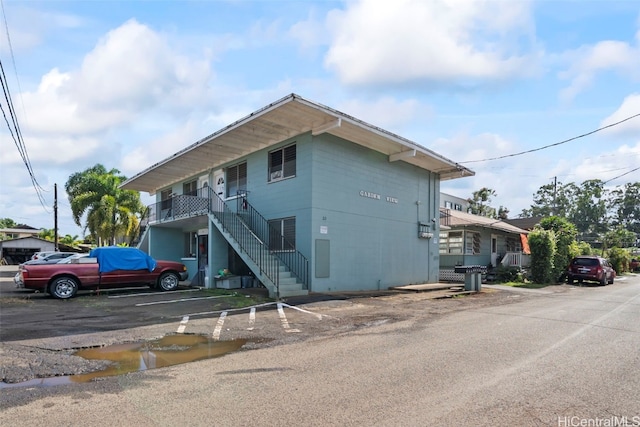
(424, 231)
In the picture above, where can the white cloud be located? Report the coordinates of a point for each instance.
(630, 107)
(309, 33)
(134, 68)
(132, 75)
(587, 61)
(29, 27)
(438, 41)
(386, 112)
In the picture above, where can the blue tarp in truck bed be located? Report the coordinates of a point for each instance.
(112, 258)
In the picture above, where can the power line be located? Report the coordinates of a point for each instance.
(16, 133)
(555, 144)
(620, 176)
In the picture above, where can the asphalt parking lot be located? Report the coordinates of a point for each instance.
(27, 314)
(39, 334)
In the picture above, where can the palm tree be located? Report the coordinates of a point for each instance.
(47, 234)
(70, 240)
(110, 211)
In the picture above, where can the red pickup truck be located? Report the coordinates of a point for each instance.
(105, 268)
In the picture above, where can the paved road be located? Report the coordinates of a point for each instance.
(562, 359)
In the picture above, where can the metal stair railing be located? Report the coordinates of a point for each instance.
(279, 246)
(248, 242)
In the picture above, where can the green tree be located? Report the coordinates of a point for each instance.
(625, 206)
(109, 211)
(479, 204)
(7, 223)
(619, 238)
(70, 240)
(552, 199)
(47, 234)
(589, 213)
(503, 213)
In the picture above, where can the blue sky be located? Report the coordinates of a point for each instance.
(127, 84)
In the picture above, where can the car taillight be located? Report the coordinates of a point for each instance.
(599, 270)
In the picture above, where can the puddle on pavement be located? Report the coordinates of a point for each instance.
(166, 351)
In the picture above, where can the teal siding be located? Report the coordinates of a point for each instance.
(484, 257)
(166, 243)
(373, 242)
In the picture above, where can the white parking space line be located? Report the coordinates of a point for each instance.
(173, 301)
(319, 316)
(183, 324)
(142, 294)
(252, 318)
(206, 313)
(284, 321)
(219, 324)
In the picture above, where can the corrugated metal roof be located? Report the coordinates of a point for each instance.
(283, 119)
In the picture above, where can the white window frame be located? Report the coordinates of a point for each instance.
(282, 163)
(236, 180)
(452, 243)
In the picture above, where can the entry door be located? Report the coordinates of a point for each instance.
(203, 185)
(494, 250)
(218, 182)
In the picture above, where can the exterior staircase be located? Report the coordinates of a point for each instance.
(283, 272)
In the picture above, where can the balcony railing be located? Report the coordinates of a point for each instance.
(181, 206)
(445, 217)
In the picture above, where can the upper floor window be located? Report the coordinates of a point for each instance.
(447, 204)
(282, 163)
(190, 188)
(237, 179)
(457, 207)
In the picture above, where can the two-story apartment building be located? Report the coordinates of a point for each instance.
(305, 198)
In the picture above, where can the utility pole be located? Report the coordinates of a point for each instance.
(55, 217)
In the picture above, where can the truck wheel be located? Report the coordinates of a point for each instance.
(168, 281)
(63, 287)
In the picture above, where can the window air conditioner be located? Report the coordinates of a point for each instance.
(276, 174)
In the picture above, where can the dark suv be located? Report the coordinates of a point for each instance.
(592, 269)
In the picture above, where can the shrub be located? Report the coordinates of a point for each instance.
(508, 274)
(542, 244)
(585, 249)
(564, 234)
(619, 259)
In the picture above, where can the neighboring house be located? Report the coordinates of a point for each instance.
(467, 239)
(303, 197)
(18, 232)
(448, 201)
(17, 251)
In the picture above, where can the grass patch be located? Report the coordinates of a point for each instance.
(526, 285)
